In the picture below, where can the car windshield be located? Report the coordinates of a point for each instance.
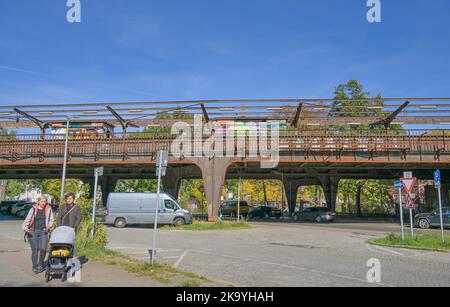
(444, 211)
(8, 202)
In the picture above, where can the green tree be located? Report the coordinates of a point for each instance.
(358, 106)
(191, 190)
(53, 187)
(136, 185)
(4, 135)
(15, 188)
(163, 131)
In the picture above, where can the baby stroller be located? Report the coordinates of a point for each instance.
(60, 257)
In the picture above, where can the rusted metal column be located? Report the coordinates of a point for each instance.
(171, 182)
(330, 186)
(91, 187)
(213, 173)
(108, 185)
(291, 187)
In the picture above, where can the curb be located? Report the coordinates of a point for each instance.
(410, 247)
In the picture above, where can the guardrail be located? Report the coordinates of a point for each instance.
(14, 148)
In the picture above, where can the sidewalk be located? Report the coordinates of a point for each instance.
(15, 271)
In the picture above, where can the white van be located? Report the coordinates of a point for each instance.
(139, 208)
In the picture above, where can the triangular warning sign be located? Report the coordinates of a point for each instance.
(408, 184)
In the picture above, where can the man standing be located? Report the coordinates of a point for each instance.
(70, 213)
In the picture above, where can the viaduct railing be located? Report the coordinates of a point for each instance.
(125, 146)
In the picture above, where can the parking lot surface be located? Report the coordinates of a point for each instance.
(283, 254)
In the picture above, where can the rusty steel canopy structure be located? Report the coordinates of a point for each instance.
(295, 112)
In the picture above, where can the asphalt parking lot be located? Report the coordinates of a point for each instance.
(271, 254)
(281, 254)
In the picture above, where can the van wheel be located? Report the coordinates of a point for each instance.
(120, 223)
(179, 222)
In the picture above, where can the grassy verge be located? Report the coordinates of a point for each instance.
(95, 250)
(200, 225)
(162, 273)
(426, 242)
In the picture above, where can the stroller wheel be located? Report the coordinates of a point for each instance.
(47, 275)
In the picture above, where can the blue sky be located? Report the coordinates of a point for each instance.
(144, 50)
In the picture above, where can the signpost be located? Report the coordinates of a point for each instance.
(162, 160)
(66, 146)
(98, 172)
(398, 185)
(239, 199)
(408, 184)
(437, 184)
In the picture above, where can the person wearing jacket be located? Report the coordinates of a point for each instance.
(70, 213)
(37, 225)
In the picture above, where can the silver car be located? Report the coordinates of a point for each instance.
(315, 214)
(140, 208)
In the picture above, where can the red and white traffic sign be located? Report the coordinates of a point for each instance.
(408, 184)
(409, 204)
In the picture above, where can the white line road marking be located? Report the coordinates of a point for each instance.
(295, 268)
(386, 250)
(424, 254)
(162, 250)
(180, 259)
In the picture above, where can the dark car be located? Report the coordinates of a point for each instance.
(433, 219)
(315, 214)
(23, 212)
(265, 212)
(19, 206)
(230, 208)
(6, 206)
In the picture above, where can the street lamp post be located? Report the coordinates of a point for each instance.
(63, 179)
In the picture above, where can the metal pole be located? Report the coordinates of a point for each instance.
(239, 200)
(440, 212)
(63, 180)
(155, 226)
(401, 212)
(412, 221)
(94, 205)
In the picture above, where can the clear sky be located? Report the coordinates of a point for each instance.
(145, 50)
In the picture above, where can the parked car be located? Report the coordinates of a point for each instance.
(10, 207)
(19, 206)
(230, 208)
(22, 213)
(315, 214)
(433, 219)
(264, 212)
(5, 206)
(123, 209)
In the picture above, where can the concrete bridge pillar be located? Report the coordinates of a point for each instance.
(108, 185)
(291, 187)
(171, 182)
(330, 186)
(214, 172)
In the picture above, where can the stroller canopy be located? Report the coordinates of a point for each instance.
(63, 235)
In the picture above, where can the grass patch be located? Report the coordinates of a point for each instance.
(95, 250)
(427, 242)
(201, 225)
(162, 273)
